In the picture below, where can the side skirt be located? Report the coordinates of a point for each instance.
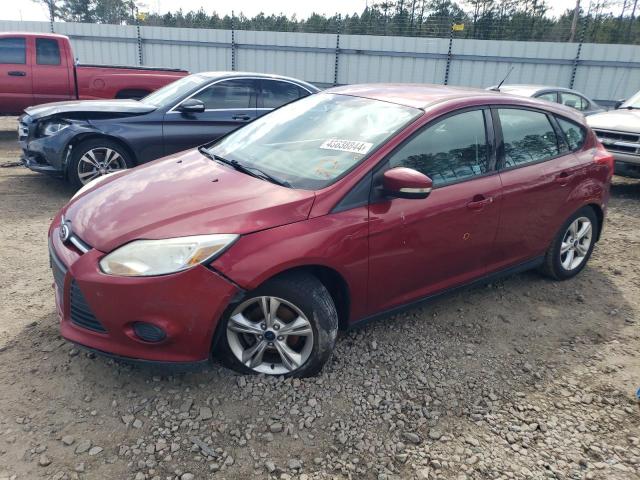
(522, 267)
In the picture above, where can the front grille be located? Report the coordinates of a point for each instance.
(81, 313)
(623, 142)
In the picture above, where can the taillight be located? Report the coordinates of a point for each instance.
(603, 157)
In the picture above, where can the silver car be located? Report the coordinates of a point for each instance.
(564, 96)
(619, 131)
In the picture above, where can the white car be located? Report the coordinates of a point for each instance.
(619, 131)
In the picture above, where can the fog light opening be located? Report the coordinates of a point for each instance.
(149, 332)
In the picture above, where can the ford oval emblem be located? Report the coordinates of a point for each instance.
(65, 232)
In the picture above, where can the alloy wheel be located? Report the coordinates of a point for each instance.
(99, 161)
(576, 243)
(270, 335)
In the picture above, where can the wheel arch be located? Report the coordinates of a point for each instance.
(597, 209)
(86, 136)
(333, 281)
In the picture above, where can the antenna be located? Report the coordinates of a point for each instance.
(497, 89)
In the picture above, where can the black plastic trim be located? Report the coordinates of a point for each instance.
(522, 267)
(173, 367)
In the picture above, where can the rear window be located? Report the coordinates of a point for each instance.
(13, 50)
(574, 133)
(528, 137)
(47, 51)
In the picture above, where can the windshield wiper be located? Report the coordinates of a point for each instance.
(253, 171)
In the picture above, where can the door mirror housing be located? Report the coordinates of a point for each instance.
(404, 182)
(191, 105)
(618, 104)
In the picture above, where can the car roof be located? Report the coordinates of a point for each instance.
(529, 89)
(33, 34)
(411, 94)
(424, 96)
(235, 74)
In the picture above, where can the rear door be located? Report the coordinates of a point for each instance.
(538, 173)
(52, 80)
(15, 75)
(421, 247)
(229, 104)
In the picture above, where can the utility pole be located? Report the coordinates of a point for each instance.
(574, 22)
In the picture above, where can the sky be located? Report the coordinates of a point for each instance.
(29, 10)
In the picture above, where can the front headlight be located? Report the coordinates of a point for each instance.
(52, 127)
(142, 258)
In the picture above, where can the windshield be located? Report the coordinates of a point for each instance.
(170, 94)
(312, 142)
(633, 102)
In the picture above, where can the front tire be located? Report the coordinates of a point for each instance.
(96, 157)
(288, 326)
(572, 247)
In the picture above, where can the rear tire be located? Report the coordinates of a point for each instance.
(572, 247)
(94, 158)
(253, 342)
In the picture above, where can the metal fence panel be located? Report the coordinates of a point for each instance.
(391, 59)
(482, 63)
(196, 50)
(605, 72)
(608, 82)
(308, 56)
(102, 44)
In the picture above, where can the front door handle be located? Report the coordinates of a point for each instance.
(479, 202)
(241, 117)
(17, 73)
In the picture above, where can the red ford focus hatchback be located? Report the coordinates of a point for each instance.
(332, 210)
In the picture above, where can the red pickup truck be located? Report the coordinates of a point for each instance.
(39, 68)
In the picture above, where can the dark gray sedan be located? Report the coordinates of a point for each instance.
(564, 96)
(82, 140)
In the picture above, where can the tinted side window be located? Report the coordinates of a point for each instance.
(452, 149)
(47, 51)
(574, 101)
(228, 94)
(528, 137)
(13, 50)
(549, 97)
(575, 133)
(275, 94)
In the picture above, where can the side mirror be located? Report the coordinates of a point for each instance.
(403, 182)
(618, 104)
(191, 105)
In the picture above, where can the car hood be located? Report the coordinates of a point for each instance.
(184, 194)
(619, 120)
(124, 107)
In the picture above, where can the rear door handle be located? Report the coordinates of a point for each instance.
(241, 117)
(17, 73)
(479, 202)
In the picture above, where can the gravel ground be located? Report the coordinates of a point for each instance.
(522, 378)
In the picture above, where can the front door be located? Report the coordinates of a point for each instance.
(15, 76)
(422, 247)
(229, 104)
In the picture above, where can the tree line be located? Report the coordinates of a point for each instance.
(599, 21)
